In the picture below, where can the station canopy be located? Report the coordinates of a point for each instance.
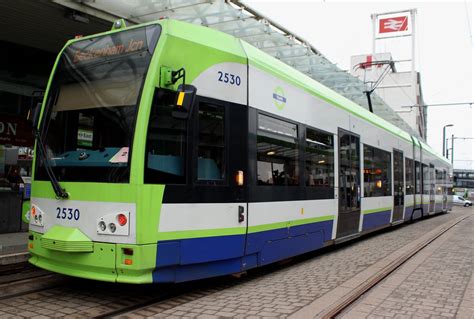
(238, 19)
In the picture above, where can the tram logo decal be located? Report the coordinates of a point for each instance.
(279, 98)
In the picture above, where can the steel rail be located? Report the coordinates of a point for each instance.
(31, 285)
(349, 299)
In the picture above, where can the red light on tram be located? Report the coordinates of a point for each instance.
(122, 219)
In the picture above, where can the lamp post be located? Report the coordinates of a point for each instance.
(444, 139)
(452, 150)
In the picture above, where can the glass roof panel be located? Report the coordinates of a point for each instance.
(236, 18)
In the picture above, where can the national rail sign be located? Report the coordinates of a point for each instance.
(393, 25)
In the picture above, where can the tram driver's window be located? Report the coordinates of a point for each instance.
(166, 142)
(211, 155)
(277, 152)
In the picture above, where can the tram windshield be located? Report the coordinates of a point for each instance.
(92, 103)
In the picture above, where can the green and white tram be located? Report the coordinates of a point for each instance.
(169, 152)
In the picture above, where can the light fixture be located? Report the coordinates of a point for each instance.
(75, 16)
(271, 153)
(239, 178)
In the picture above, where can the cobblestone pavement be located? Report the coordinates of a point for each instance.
(287, 290)
(437, 282)
(275, 291)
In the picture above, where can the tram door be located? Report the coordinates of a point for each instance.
(445, 191)
(431, 208)
(349, 184)
(398, 196)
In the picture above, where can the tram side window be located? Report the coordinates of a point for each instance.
(439, 182)
(277, 152)
(417, 178)
(166, 142)
(377, 172)
(319, 159)
(409, 177)
(211, 147)
(426, 179)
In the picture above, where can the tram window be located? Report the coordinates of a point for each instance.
(377, 172)
(166, 142)
(211, 155)
(277, 152)
(426, 179)
(410, 187)
(417, 178)
(439, 182)
(319, 159)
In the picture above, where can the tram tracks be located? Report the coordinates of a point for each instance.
(174, 294)
(21, 278)
(347, 300)
(137, 306)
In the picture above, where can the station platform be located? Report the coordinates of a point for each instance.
(13, 248)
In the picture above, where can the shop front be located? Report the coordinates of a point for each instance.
(34, 33)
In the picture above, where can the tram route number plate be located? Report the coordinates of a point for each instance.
(68, 213)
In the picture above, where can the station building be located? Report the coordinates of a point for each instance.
(31, 35)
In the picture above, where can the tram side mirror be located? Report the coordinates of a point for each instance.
(34, 115)
(184, 101)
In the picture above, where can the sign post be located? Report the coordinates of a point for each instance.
(395, 25)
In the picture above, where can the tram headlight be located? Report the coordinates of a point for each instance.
(117, 224)
(36, 216)
(112, 227)
(102, 226)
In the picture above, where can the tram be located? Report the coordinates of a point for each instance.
(170, 152)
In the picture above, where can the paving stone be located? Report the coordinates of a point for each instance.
(435, 285)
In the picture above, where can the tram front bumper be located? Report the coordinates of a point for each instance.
(106, 262)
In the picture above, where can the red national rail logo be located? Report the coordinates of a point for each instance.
(393, 24)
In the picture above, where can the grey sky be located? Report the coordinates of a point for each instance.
(444, 53)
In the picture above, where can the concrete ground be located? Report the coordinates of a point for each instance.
(13, 248)
(13, 243)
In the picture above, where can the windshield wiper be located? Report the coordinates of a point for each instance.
(60, 192)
